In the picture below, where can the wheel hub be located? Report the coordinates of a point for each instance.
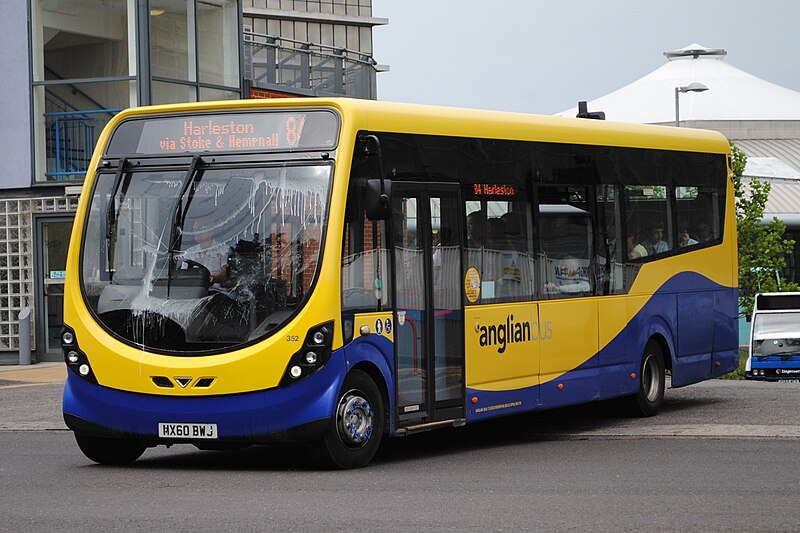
(354, 419)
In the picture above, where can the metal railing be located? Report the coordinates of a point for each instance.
(270, 62)
(71, 136)
(309, 68)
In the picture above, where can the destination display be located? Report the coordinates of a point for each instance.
(228, 132)
(493, 189)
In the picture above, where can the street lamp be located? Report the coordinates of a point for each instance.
(693, 87)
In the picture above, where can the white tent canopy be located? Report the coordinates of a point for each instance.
(733, 95)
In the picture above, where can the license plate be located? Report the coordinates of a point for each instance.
(180, 430)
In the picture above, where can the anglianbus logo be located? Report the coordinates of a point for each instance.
(512, 332)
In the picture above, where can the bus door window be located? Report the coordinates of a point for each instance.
(411, 332)
(446, 262)
(427, 229)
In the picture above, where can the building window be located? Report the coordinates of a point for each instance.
(83, 73)
(86, 68)
(194, 48)
(172, 36)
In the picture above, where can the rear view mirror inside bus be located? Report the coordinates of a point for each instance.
(378, 199)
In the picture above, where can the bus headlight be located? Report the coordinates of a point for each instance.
(76, 360)
(312, 356)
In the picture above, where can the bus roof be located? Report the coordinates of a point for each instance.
(449, 121)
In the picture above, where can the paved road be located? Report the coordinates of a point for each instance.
(722, 456)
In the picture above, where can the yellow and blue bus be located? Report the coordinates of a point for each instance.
(333, 272)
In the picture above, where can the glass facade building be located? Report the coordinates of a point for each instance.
(311, 47)
(91, 58)
(88, 59)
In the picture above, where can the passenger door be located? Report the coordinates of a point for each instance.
(429, 352)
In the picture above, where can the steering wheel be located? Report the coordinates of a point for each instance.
(201, 267)
(194, 264)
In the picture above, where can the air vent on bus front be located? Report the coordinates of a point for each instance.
(163, 382)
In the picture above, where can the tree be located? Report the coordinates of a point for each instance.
(762, 248)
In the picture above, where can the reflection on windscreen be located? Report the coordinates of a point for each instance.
(776, 334)
(188, 262)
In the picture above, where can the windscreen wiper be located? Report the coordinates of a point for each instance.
(179, 215)
(112, 214)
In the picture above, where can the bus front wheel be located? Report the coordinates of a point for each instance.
(356, 429)
(109, 451)
(650, 396)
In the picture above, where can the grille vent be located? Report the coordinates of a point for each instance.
(163, 382)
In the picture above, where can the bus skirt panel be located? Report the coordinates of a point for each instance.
(279, 414)
(614, 370)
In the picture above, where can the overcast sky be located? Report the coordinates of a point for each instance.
(539, 56)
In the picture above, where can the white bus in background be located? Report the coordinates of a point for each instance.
(775, 338)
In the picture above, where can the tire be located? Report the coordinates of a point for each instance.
(356, 429)
(648, 400)
(109, 451)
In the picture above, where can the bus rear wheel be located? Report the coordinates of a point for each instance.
(650, 396)
(356, 429)
(109, 451)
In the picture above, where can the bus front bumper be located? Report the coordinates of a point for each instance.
(298, 412)
(773, 374)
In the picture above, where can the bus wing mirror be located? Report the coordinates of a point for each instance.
(379, 199)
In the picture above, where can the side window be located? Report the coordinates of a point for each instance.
(615, 268)
(366, 271)
(700, 212)
(650, 231)
(499, 244)
(566, 240)
(675, 202)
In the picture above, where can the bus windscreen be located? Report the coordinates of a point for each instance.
(226, 132)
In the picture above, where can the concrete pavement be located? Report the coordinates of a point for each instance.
(30, 397)
(28, 375)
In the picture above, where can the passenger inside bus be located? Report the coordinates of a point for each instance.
(476, 224)
(686, 238)
(704, 233)
(497, 234)
(656, 243)
(513, 231)
(635, 249)
(208, 251)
